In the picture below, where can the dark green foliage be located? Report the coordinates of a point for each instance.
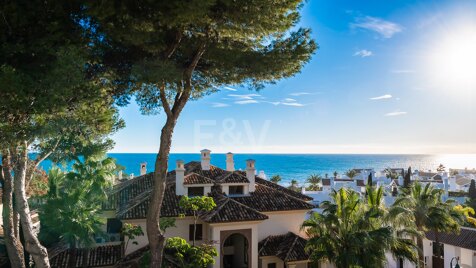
(407, 179)
(152, 44)
(472, 190)
(313, 181)
(276, 179)
(369, 180)
(294, 185)
(422, 206)
(188, 256)
(354, 232)
(75, 199)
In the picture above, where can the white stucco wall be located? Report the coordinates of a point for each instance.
(181, 230)
(281, 223)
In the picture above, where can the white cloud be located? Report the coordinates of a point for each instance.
(230, 88)
(219, 105)
(363, 53)
(244, 96)
(395, 113)
(384, 28)
(383, 97)
(292, 104)
(289, 100)
(299, 94)
(250, 101)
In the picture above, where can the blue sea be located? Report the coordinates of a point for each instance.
(300, 166)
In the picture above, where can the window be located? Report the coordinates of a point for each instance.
(272, 265)
(199, 232)
(195, 191)
(438, 250)
(114, 226)
(235, 190)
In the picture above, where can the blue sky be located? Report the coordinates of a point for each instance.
(389, 77)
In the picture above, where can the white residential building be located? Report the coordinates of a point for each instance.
(256, 223)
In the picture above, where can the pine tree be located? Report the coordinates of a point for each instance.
(407, 179)
(472, 190)
(165, 53)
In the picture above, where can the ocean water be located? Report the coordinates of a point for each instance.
(300, 166)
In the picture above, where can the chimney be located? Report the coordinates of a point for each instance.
(230, 164)
(119, 176)
(250, 173)
(131, 176)
(143, 168)
(205, 159)
(179, 177)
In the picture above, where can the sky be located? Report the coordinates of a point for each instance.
(389, 77)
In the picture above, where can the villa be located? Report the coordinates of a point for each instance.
(455, 186)
(256, 223)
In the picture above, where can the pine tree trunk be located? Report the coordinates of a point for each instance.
(32, 244)
(154, 233)
(13, 245)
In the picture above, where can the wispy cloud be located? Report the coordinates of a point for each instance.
(292, 104)
(363, 53)
(395, 113)
(230, 88)
(244, 96)
(246, 101)
(299, 94)
(289, 100)
(219, 105)
(383, 97)
(384, 28)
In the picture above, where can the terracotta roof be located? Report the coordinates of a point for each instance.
(229, 210)
(465, 239)
(288, 247)
(97, 257)
(194, 178)
(283, 189)
(131, 198)
(266, 199)
(232, 177)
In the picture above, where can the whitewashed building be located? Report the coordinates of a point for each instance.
(256, 223)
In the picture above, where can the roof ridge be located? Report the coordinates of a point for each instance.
(283, 192)
(215, 211)
(241, 204)
(265, 242)
(138, 199)
(292, 245)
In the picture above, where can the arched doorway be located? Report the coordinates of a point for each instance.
(236, 251)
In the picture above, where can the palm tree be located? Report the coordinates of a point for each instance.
(423, 207)
(314, 181)
(75, 200)
(441, 168)
(276, 179)
(353, 232)
(351, 173)
(391, 174)
(294, 185)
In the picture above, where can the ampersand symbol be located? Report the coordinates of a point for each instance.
(229, 125)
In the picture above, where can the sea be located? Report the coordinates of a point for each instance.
(300, 166)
